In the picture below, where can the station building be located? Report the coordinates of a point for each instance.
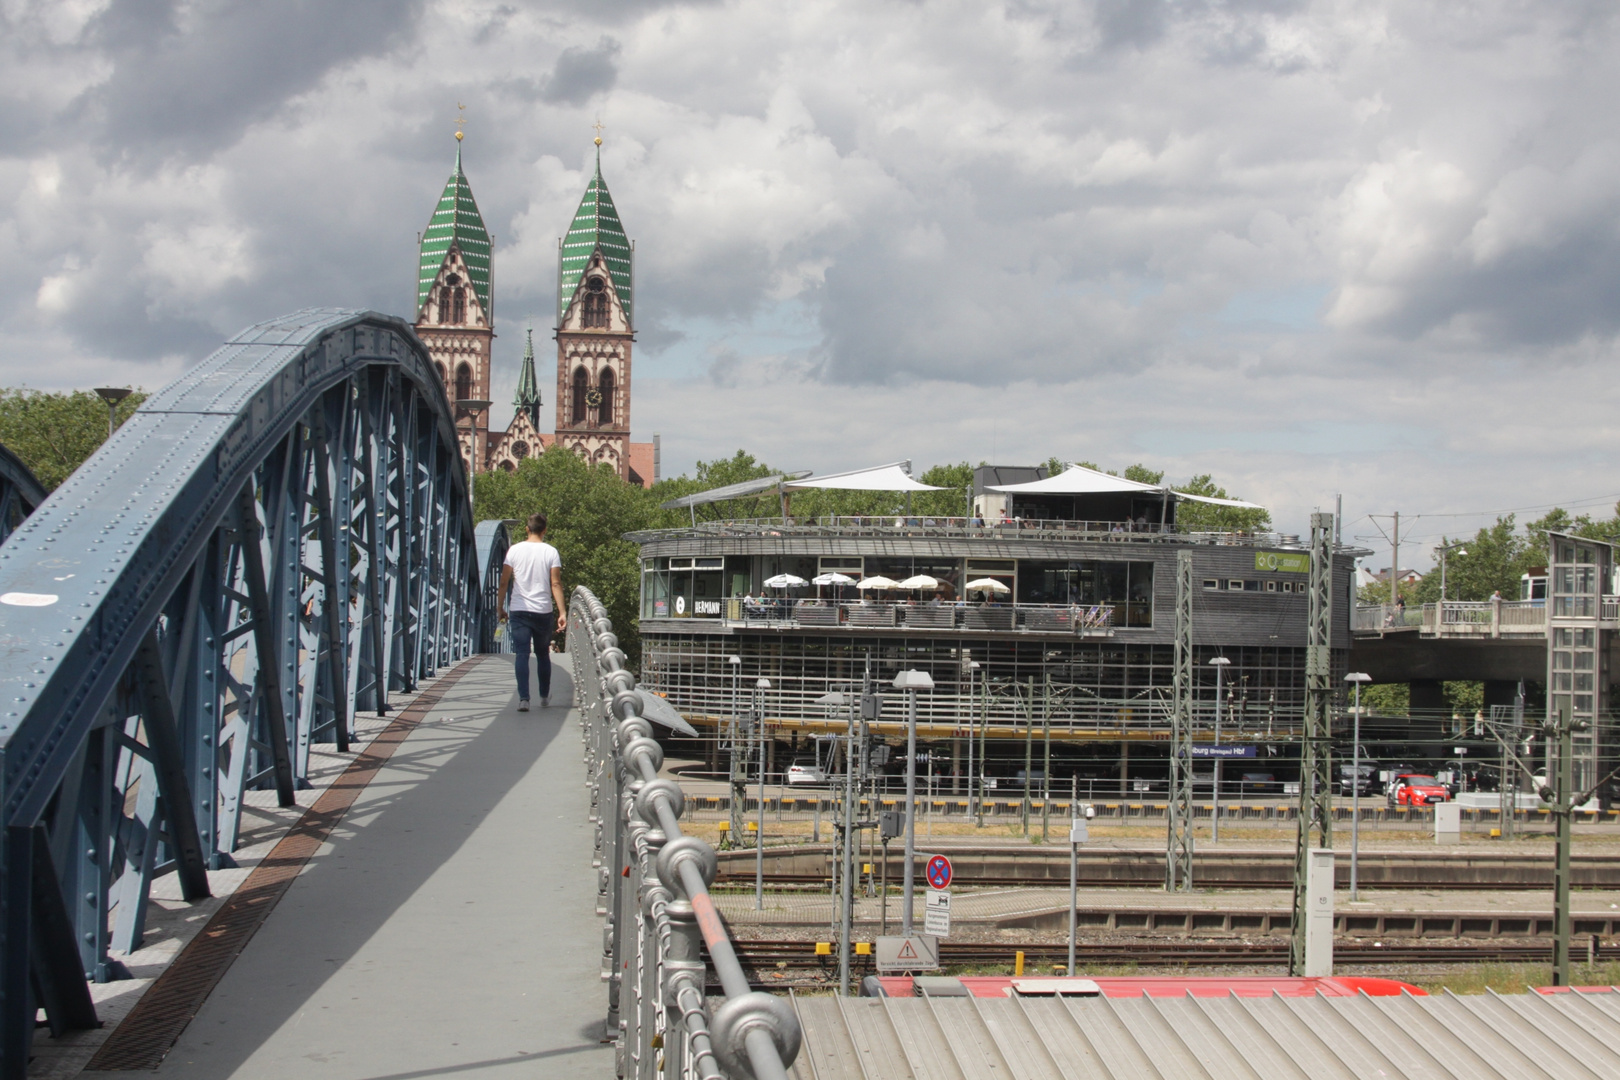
(1053, 619)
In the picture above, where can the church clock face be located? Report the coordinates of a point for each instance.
(593, 397)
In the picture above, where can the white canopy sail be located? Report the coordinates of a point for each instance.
(883, 478)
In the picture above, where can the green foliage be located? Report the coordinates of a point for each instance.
(55, 432)
(1388, 699)
(589, 510)
(1465, 698)
(1202, 517)
(1144, 475)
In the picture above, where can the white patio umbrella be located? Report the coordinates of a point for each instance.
(832, 579)
(785, 581)
(986, 584)
(877, 581)
(920, 581)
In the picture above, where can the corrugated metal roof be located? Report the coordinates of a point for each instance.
(1519, 1037)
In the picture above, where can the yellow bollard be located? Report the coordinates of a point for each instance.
(863, 948)
(823, 948)
(1018, 962)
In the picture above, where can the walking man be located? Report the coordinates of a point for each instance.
(533, 577)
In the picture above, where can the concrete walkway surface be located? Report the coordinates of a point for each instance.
(446, 928)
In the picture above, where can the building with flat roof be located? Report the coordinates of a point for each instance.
(1057, 625)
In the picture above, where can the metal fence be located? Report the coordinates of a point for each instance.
(653, 890)
(892, 525)
(1096, 620)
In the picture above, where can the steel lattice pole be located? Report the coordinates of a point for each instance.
(1315, 774)
(1178, 861)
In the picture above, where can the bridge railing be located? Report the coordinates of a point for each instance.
(653, 888)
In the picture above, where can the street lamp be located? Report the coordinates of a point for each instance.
(1355, 678)
(911, 682)
(761, 685)
(470, 408)
(1443, 549)
(738, 783)
(112, 395)
(1220, 664)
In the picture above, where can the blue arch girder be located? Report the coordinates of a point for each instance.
(282, 536)
(493, 539)
(20, 492)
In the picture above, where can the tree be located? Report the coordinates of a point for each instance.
(56, 432)
(1494, 559)
(589, 510)
(1202, 517)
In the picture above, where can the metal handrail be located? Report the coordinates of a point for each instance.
(1096, 619)
(894, 525)
(653, 888)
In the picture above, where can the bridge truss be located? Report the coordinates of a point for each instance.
(278, 539)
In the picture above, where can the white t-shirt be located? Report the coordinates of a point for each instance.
(531, 563)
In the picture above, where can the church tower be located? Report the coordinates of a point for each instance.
(455, 313)
(595, 332)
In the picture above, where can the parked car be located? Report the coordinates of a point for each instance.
(806, 771)
(1258, 783)
(1364, 784)
(1416, 789)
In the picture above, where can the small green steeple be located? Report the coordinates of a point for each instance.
(456, 220)
(528, 388)
(596, 225)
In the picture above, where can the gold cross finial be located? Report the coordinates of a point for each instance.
(598, 126)
(460, 119)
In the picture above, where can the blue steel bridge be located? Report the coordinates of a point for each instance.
(275, 546)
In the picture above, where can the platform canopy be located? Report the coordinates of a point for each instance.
(882, 478)
(1079, 480)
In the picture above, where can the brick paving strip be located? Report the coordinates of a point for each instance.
(150, 1030)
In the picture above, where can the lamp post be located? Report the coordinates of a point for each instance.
(112, 395)
(846, 863)
(1355, 679)
(1443, 549)
(470, 408)
(1220, 664)
(759, 835)
(911, 682)
(737, 781)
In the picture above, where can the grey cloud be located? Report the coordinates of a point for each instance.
(581, 74)
(193, 81)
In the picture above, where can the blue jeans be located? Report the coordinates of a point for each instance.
(531, 627)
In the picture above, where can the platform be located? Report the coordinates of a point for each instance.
(445, 926)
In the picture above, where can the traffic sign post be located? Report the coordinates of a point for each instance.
(937, 915)
(939, 872)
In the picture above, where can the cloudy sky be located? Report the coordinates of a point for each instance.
(1310, 247)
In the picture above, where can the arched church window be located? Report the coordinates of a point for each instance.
(507, 465)
(458, 305)
(604, 385)
(596, 304)
(581, 384)
(463, 382)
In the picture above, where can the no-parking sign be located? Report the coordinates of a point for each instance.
(939, 872)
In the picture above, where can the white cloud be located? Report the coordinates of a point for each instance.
(1308, 245)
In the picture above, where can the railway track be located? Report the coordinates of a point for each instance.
(801, 955)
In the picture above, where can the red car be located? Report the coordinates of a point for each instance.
(1416, 789)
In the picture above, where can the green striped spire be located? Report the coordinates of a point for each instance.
(596, 225)
(528, 389)
(456, 221)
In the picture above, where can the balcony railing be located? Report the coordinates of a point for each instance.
(891, 525)
(1463, 618)
(1086, 620)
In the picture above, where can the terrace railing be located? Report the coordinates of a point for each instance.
(1087, 620)
(1466, 618)
(900, 525)
(653, 888)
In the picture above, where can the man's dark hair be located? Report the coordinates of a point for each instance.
(537, 524)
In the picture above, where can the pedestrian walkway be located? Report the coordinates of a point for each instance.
(447, 924)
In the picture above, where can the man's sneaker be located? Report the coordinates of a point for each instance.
(545, 702)
(523, 704)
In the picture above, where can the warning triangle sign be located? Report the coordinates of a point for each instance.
(907, 951)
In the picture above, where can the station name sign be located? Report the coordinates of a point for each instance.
(1287, 562)
(1211, 750)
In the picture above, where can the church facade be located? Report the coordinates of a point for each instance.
(594, 332)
